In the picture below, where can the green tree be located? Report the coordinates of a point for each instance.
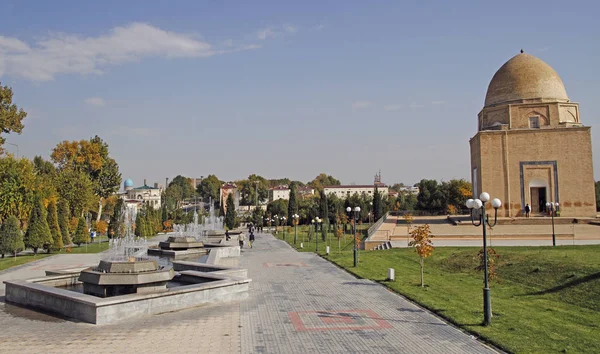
(377, 205)
(116, 225)
(81, 233)
(230, 213)
(76, 188)
(185, 183)
(11, 238)
(431, 197)
(38, 232)
(209, 188)
(323, 180)
(292, 205)
(63, 221)
(598, 196)
(456, 191)
(324, 211)
(17, 185)
(278, 207)
(10, 115)
(52, 218)
(250, 187)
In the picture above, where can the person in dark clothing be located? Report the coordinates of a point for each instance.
(227, 237)
(527, 210)
(251, 239)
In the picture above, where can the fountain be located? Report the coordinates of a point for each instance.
(127, 283)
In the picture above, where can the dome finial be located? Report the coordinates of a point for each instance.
(522, 51)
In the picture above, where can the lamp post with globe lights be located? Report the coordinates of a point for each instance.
(283, 218)
(316, 221)
(354, 217)
(295, 219)
(479, 204)
(553, 207)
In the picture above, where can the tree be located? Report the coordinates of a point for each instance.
(185, 183)
(116, 225)
(250, 187)
(90, 157)
(17, 185)
(11, 238)
(292, 205)
(208, 189)
(407, 201)
(597, 195)
(421, 236)
(324, 211)
(10, 115)
(77, 189)
(81, 233)
(52, 218)
(377, 205)
(431, 198)
(456, 191)
(38, 233)
(323, 180)
(492, 258)
(230, 213)
(63, 221)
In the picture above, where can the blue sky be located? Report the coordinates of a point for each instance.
(281, 89)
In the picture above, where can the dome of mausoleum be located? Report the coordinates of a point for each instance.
(525, 77)
(128, 182)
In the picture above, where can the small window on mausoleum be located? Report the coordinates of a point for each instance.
(534, 122)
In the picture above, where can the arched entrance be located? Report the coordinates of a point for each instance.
(538, 192)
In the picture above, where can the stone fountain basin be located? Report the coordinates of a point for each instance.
(216, 284)
(95, 277)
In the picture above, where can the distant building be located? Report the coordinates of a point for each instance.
(343, 191)
(304, 191)
(196, 181)
(141, 195)
(279, 192)
(409, 189)
(226, 189)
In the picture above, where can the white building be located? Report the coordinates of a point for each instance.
(413, 190)
(349, 190)
(143, 194)
(279, 192)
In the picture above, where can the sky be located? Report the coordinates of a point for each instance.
(278, 88)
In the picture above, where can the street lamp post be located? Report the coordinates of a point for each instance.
(316, 221)
(295, 221)
(553, 207)
(479, 204)
(355, 216)
(283, 218)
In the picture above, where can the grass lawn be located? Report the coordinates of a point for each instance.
(545, 299)
(8, 261)
(310, 243)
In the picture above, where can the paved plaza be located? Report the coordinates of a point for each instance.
(298, 303)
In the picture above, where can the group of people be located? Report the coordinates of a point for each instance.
(242, 238)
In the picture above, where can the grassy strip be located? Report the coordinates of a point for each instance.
(545, 299)
(9, 262)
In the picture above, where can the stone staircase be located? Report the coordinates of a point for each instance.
(383, 246)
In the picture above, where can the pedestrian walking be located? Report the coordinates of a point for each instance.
(527, 210)
(251, 239)
(241, 238)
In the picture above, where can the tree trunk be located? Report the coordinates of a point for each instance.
(99, 209)
(422, 281)
(340, 245)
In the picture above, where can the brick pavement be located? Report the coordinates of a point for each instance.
(299, 303)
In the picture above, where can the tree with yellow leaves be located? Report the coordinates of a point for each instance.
(421, 241)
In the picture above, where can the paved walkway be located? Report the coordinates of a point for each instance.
(299, 303)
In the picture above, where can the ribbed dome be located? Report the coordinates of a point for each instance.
(525, 77)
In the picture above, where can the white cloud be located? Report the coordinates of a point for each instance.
(275, 31)
(266, 33)
(62, 53)
(290, 29)
(393, 107)
(319, 27)
(415, 105)
(141, 131)
(95, 101)
(437, 102)
(360, 104)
